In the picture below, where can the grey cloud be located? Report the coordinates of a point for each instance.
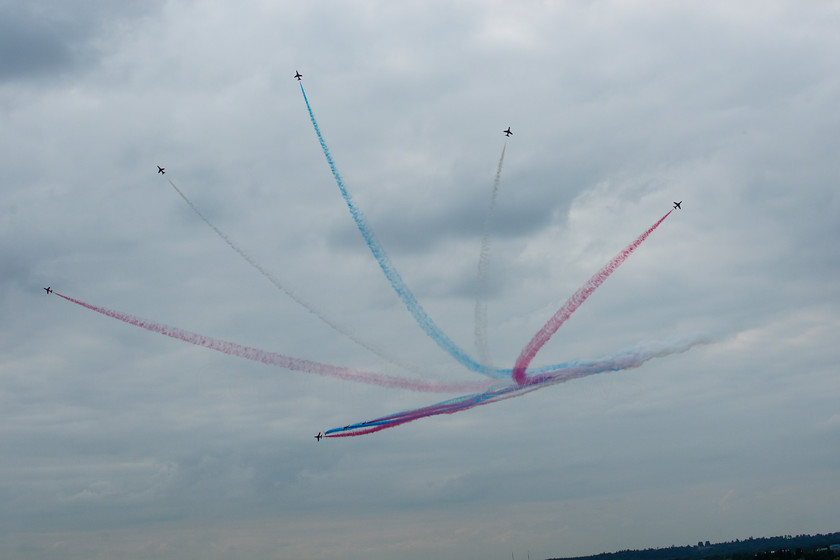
(30, 48)
(54, 38)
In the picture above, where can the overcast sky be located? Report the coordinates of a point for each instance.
(116, 442)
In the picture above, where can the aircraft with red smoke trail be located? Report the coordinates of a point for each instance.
(677, 205)
(48, 289)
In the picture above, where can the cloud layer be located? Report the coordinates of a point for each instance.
(120, 443)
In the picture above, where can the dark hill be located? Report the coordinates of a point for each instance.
(734, 549)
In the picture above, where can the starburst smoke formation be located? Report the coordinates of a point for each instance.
(297, 299)
(481, 277)
(523, 380)
(619, 362)
(280, 360)
(544, 334)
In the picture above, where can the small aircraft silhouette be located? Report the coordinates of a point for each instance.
(161, 170)
(507, 132)
(319, 436)
(48, 289)
(298, 75)
(677, 205)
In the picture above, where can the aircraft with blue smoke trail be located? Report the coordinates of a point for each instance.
(48, 289)
(507, 132)
(298, 75)
(677, 205)
(161, 170)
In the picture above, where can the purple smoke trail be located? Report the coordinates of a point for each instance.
(481, 280)
(619, 362)
(562, 314)
(297, 299)
(287, 362)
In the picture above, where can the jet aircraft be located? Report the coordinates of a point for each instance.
(298, 75)
(507, 132)
(48, 289)
(161, 170)
(319, 436)
(677, 205)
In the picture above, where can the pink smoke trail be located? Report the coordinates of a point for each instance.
(544, 334)
(287, 362)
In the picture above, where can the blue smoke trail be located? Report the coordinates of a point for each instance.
(409, 300)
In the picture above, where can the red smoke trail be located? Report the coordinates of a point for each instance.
(545, 333)
(275, 359)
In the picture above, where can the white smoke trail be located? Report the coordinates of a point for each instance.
(481, 279)
(296, 298)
